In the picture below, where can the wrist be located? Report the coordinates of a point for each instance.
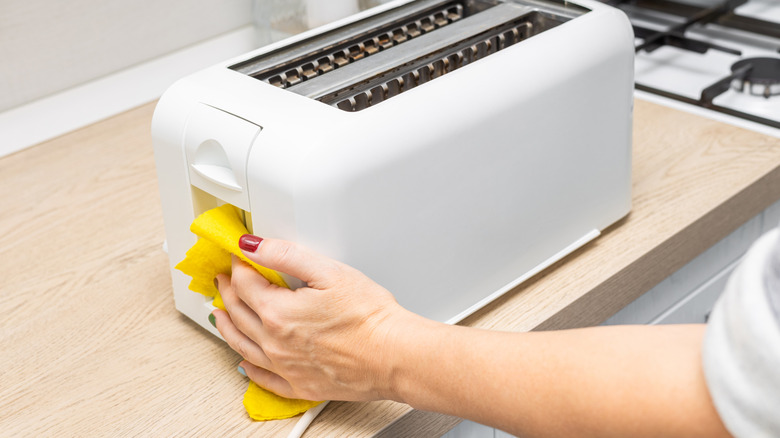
(406, 341)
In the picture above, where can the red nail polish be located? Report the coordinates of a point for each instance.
(249, 242)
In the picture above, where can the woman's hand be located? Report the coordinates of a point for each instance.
(345, 338)
(331, 340)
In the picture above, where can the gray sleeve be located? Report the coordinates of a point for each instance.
(741, 350)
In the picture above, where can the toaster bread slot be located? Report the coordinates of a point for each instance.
(322, 54)
(443, 55)
(372, 60)
(412, 51)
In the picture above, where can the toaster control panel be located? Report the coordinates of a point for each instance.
(217, 144)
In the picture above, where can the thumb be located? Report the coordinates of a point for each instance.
(287, 257)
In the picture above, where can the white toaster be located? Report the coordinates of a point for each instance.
(447, 149)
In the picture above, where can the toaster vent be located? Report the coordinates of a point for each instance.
(293, 73)
(394, 83)
(363, 63)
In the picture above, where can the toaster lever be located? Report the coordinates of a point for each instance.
(216, 145)
(218, 174)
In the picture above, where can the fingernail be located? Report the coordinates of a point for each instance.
(242, 371)
(249, 242)
(216, 282)
(213, 320)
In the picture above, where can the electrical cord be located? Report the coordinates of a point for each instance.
(306, 419)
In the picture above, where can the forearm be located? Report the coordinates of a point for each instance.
(606, 381)
(345, 338)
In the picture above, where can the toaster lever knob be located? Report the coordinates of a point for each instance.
(218, 174)
(217, 144)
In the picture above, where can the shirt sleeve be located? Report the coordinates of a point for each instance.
(741, 350)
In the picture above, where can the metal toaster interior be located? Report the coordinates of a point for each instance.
(369, 61)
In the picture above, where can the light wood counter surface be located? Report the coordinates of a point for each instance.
(92, 344)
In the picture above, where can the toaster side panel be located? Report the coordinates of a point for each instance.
(457, 189)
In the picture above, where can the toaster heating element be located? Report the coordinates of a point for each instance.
(448, 149)
(352, 68)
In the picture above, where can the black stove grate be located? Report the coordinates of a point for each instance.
(686, 16)
(722, 14)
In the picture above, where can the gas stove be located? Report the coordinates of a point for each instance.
(718, 58)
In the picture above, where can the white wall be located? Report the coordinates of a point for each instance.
(50, 45)
(68, 64)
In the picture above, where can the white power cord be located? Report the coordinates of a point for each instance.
(306, 419)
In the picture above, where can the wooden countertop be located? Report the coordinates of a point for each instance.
(92, 344)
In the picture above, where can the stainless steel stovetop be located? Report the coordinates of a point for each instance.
(719, 58)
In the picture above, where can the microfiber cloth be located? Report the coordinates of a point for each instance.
(218, 230)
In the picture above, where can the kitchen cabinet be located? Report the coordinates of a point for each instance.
(470, 429)
(688, 295)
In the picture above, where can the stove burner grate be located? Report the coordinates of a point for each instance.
(659, 23)
(760, 78)
(757, 76)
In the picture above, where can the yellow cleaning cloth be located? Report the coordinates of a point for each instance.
(219, 230)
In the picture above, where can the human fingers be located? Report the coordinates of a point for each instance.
(241, 315)
(290, 258)
(238, 341)
(254, 290)
(268, 380)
